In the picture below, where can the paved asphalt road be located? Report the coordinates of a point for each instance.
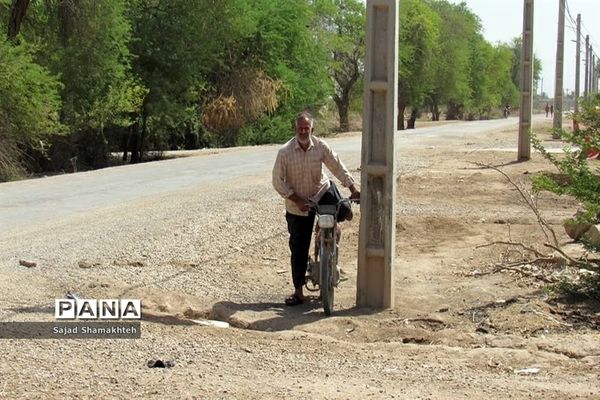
(34, 201)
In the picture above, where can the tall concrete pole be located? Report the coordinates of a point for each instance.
(577, 63)
(586, 85)
(597, 69)
(560, 51)
(377, 240)
(524, 150)
(591, 72)
(591, 69)
(593, 86)
(593, 60)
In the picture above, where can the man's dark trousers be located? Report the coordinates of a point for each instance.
(300, 229)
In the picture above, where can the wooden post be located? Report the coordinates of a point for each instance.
(524, 150)
(375, 281)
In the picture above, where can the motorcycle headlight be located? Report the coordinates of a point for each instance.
(326, 221)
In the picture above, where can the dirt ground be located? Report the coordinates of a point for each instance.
(458, 329)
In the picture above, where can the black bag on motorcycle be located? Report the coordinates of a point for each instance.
(333, 197)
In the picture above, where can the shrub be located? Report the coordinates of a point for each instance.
(577, 176)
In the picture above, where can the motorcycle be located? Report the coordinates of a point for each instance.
(322, 272)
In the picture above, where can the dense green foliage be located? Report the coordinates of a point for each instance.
(418, 46)
(450, 69)
(29, 103)
(29, 106)
(83, 78)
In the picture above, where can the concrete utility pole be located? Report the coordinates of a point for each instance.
(594, 88)
(577, 63)
(586, 85)
(593, 85)
(592, 74)
(597, 71)
(376, 254)
(524, 152)
(597, 75)
(560, 51)
(591, 71)
(593, 60)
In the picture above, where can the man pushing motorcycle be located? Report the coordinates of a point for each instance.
(299, 178)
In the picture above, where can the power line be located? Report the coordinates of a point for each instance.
(592, 41)
(572, 20)
(569, 13)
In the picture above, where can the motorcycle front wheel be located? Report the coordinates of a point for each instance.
(327, 264)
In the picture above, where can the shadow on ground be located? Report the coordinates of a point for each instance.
(273, 317)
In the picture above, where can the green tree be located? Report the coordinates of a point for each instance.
(287, 50)
(481, 78)
(342, 23)
(508, 91)
(176, 45)
(29, 106)
(516, 46)
(99, 88)
(418, 44)
(452, 62)
(490, 78)
(216, 69)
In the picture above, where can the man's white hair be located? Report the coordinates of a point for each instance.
(304, 115)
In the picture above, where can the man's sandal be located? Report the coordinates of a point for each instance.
(293, 300)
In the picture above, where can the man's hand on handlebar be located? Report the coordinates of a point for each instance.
(355, 194)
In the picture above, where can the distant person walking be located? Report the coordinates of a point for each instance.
(552, 110)
(547, 109)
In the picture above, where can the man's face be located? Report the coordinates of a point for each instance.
(303, 130)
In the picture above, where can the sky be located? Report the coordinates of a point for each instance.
(502, 20)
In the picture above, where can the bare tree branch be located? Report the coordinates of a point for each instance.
(565, 255)
(511, 243)
(515, 268)
(529, 200)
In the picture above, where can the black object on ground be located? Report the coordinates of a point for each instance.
(161, 364)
